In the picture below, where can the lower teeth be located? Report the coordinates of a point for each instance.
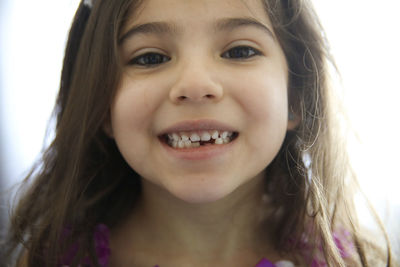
(189, 144)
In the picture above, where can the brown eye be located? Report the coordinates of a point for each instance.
(149, 60)
(241, 52)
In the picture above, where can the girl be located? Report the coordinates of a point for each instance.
(193, 133)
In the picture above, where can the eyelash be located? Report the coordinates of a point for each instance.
(152, 59)
(250, 52)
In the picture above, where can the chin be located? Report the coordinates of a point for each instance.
(201, 193)
(200, 198)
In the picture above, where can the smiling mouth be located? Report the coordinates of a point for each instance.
(188, 140)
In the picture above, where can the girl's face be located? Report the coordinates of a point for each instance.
(197, 69)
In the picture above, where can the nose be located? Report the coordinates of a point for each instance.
(195, 83)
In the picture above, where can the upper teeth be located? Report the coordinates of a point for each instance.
(196, 136)
(190, 139)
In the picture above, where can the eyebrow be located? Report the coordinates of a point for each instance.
(168, 28)
(150, 28)
(229, 24)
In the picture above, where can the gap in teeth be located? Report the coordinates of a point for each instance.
(196, 139)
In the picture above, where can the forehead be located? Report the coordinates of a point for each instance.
(195, 12)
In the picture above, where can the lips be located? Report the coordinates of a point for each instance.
(198, 125)
(196, 135)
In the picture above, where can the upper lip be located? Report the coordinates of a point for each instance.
(197, 125)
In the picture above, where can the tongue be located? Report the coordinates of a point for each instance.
(205, 143)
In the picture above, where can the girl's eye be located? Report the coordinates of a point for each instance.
(241, 52)
(149, 59)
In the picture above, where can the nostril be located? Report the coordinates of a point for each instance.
(208, 96)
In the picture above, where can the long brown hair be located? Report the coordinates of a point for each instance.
(82, 179)
(311, 180)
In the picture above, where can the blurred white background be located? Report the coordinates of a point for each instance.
(32, 40)
(365, 40)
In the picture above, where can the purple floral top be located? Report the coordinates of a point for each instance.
(341, 237)
(101, 239)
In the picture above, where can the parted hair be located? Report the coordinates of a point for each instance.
(82, 180)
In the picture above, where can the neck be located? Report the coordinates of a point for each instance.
(208, 231)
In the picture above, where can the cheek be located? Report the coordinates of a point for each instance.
(263, 97)
(131, 117)
(268, 105)
(133, 106)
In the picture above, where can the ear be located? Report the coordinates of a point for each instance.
(107, 127)
(294, 110)
(294, 119)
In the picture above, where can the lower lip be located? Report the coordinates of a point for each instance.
(199, 153)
